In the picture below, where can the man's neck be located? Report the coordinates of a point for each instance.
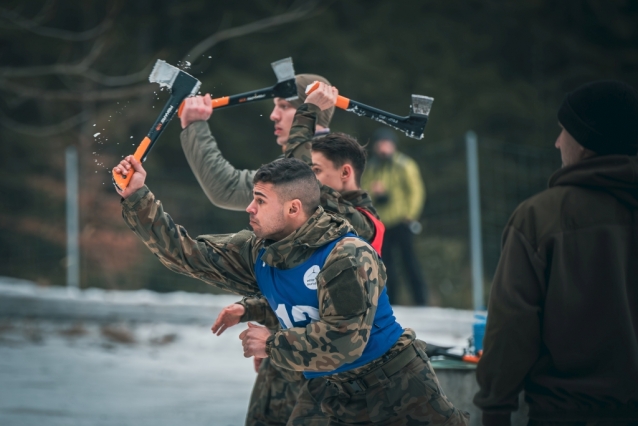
(292, 227)
(350, 186)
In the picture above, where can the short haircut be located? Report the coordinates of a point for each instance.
(292, 179)
(341, 149)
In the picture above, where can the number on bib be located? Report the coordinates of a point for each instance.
(300, 313)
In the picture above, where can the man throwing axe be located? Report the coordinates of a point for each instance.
(327, 282)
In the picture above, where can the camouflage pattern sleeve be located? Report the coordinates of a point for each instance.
(334, 202)
(258, 309)
(348, 289)
(302, 132)
(223, 261)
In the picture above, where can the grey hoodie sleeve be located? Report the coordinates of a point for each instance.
(224, 185)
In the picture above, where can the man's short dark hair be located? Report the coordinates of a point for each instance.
(340, 149)
(292, 179)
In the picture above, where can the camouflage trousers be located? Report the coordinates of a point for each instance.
(410, 396)
(274, 395)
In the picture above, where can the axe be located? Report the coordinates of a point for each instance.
(412, 125)
(181, 86)
(285, 88)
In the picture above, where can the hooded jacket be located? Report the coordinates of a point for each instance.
(563, 310)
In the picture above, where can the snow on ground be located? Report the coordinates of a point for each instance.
(96, 357)
(64, 373)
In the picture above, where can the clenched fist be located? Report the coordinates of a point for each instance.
(125, 167)
(253, 339)
(196, 108)
(324, 96)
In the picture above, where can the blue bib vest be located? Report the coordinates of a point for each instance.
(292, 294)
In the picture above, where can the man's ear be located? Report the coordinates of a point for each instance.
(294, 207)
(346, 172)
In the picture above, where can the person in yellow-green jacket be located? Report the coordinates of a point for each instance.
(394, 182)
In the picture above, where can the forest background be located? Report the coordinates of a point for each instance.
(76, 74)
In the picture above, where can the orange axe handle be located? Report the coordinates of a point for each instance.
(122, 180)
(216, 103)
(342, 101)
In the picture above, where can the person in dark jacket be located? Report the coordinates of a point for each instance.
(563, 311)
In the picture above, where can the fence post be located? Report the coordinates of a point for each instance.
(476, 239)
(72, 220)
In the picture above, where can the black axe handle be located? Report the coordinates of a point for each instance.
(286, 89)
(412, 125)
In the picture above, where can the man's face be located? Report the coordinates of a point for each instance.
(571, 152)
(266, 212)
(326, 172)
(384, 148)
(282, 114)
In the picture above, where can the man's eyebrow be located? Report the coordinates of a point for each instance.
(260, 194)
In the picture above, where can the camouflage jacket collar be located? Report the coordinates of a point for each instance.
(358, 198)
(320, 229)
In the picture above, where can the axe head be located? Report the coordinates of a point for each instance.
(419, 113)
(286, 86)
(179, 83)
(421, 105)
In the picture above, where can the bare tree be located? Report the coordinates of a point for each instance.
(107, 87)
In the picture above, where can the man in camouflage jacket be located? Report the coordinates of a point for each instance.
(338, 161)
(275, 390)
(397, 387)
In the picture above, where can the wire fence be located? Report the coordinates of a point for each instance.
(509, 173)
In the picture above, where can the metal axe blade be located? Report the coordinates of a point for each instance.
(422, 105)
(166, 74)
(286, 86)
(283, 69)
